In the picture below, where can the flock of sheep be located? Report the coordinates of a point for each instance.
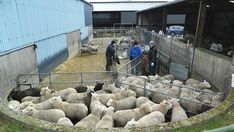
(91, 48)
(127, 106)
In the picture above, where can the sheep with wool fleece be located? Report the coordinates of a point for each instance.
(142, 100)
(112, 88)
(123, 104)
(46, 93)
(104, 98)
(95, 102)
(151, 119)
(63, 93)
(72, 111)
(14, 105)
(92, 119)
(65, 121)
(163, 107)
(45, 105)
(199, 85)
(107, 120)
(29, 98)
(178, 113)
(52, 115)
(206, 96)
(121, 117)
(79, 98)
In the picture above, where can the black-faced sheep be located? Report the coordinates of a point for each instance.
(18, 94)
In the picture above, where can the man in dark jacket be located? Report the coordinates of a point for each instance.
(152, 58)
(111, 55)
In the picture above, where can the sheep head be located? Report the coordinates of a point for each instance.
(56, 100)
(109, 102)
(146, 108)
(206, 84)
(166, 104)
(25, 104)
(45, 90)
(28, 110)
(174, 101)
(131, 123)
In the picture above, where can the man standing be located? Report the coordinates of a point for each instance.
(135, 51)
(152, 58)
(111, 55)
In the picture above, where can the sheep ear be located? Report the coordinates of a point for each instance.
(133, 119)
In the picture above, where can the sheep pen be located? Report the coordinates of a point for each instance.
(94, 76)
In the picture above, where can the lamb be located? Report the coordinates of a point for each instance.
(142, 100)
(65, 121)
(46, 93)
(45, 105)
(72, 111)
(92, 119)
(163, 107)
(31, 98)
(84, 49)
(94, 48)
(107, 120)
(178, 113)
(121, 117)
(151, 119)
(79, 98)
(95, 102)
(189, 100)
(63, 93)
(14, 105)
(52, 115)
(123, 104)
(197, 84)
(104, 98)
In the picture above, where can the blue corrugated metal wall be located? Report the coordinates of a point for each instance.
(84, 35)
(51, 52)
(26, 21)
(44, 22)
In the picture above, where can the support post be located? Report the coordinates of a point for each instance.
(200, 24)
(164, 20)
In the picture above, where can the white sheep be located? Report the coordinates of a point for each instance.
(94, 48)
(45, 105)
(198, 84)
(92, 119)
(72, 111)
(85, 49)
(14, 105)
(206, 96)
(121, 117)
(104, 98)
(216, 99)
(96, 102)
(63, 93)
(65, 121)
(142, 100)
(163, 107)
(151, 119)
(189, 100)
(178, 113)
(107, 120)
(123, 104)
(191, 81)
(29, 98)
(52, 115)
(111, 88)
(46, 93)
(79, 98)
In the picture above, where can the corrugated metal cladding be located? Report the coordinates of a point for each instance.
(51, 52)
(84, 35)
(128, 17)
(88, 14)
(26, 21)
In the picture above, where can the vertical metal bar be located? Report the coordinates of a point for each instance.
(81, 78)
(50, 80)
(144, 87)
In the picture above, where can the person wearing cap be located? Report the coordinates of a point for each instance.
(152, 58)
(111, 55)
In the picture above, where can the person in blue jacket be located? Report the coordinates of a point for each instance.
(111, 55)
(135, 50)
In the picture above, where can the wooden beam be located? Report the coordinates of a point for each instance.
(200, 24)
(164, 20)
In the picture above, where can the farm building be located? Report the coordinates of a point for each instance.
(114, 12)
(53, 73)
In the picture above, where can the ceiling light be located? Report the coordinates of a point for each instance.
(232, 1)
(209, 5)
